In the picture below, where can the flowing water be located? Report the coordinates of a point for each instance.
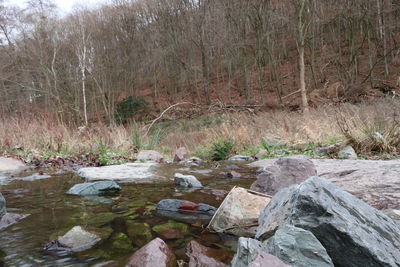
(53, 213)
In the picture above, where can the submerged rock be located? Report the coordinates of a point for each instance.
(2, 206)
(201, 256)
(233, 175)
(139, 233)
(185, 211)
(283, 173)
(121, 243)
(171, 230)
(180, 154)
(347, 152)
(129, 172)
(150, 155)
(155, 253)
(77, 239)
(239, 212)
(11, 218)
(94, 188)
(187, 181)
(352, 232)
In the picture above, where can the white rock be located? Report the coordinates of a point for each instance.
(129, 172)
(77, 239)
(186, 181)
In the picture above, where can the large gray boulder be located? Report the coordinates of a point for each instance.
(283, 173)
(187, 181)
(374, 181)
(2, 206)
(94, 188)
(352, 232)
(297, 247)
(11, 166)
(293, 246)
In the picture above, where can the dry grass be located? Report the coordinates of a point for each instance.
(44, 136)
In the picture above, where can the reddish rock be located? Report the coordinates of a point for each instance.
(264, 259)
(180, 154)
(188, 205)
(201, 256)
(150, 155)
(233, 175)
(155, 253)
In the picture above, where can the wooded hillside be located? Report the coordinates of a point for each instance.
(129, 56)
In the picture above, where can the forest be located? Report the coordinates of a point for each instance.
(114, 61)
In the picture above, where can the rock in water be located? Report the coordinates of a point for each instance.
(352, 232)
(77, 239)
(2, 206)
(155, 253)
(240, 158)
(201, 256)
(239, 212)
(150, 155)
(94, 188)
(283, 173)
(187, 181)
(128, 172)
(11, 218)
(185, 211)
(180, 154)
(9, 165)
(347, 153)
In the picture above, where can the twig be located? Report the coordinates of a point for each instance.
(162, 114)
(295, 92)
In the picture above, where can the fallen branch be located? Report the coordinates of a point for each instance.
(295, 92)
(162, 114)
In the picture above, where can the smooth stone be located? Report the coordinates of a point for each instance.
(347, 152)
(283, 173)
(150, 155)
(241, 158)
(94, 188)
(129, 172)
(352, 232)
(11, 166)
(187, 181)
(77, 239)
(234, 175)
(9, 219)
(30, 178)
(185, 211)
(155, 254)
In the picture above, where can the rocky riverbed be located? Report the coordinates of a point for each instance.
(112, 223)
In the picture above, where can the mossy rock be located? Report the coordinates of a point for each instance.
(171, 230)
(121, 244)
(139, 233)
(104, 233)
(100, 219)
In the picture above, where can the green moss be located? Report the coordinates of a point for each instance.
(101, 254)
(181, 227)
(139, 233)
(121, 244)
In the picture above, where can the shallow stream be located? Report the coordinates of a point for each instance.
(53, 213)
